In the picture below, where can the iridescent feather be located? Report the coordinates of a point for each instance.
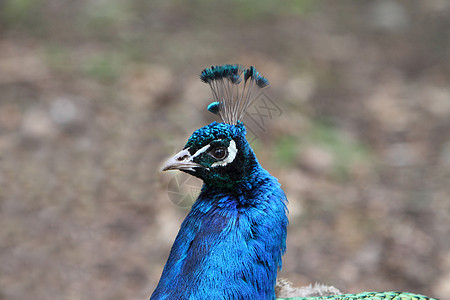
(367, 296)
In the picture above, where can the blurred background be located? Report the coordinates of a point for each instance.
(96, 94)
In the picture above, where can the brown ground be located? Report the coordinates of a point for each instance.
(94, 95)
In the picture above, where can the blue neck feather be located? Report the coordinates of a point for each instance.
(231, 242)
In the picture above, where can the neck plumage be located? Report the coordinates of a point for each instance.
(230, 244)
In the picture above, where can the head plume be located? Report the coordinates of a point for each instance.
(233, 87)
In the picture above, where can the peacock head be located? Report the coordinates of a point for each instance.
(218, 153)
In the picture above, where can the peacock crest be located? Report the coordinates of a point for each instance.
(234, 87)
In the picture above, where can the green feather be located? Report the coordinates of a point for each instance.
(367, 296)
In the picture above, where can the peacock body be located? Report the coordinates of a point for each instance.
(230, 244)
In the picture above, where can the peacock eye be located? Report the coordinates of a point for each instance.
(219, 152)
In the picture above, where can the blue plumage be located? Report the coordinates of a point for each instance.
(231, 242)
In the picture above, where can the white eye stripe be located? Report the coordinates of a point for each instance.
(201, 150)
(232, 151)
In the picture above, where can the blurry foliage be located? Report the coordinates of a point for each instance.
(57, 57)
(346, 151)
(263, 9)
(285, 149)
(25, 14)
(106, 67)
(100, 15)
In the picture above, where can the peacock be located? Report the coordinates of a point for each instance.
(230, 244)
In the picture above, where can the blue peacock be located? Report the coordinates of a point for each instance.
(230, 244)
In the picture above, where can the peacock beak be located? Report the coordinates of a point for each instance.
(183, 160)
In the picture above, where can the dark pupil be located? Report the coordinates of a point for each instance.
(219, 153)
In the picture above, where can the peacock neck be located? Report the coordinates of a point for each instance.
(229, 247)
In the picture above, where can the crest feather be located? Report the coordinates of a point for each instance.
(234, 88)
